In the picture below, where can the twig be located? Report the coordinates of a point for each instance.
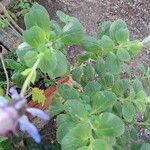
(5, 71)
(11, 19)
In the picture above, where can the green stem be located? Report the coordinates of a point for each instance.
(142, 123)
(29, 77)
(6, 74)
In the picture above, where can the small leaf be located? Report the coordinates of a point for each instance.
(67, 93)
(134, 134)
(56, 107)
(35, 36)
(30, 58)
(77, 73)
(92, 87)
(38, 16)
(115, 26)
(76, 108)
(38, 95)
(49, 60)
(61, 67)
(128, 112)
(122, 35)
(104, 29)
(99, 144)
(90, 44)
(102, 100)
(107, 44)
(100, 67)
(112, 63)
(110, 125)
(73, 33)
(123, 55)
(145, 146)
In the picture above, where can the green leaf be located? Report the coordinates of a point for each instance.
(135, 47)
(122, 35)
(128, 112)
(64, 124)
(73, 33)
(76, 108)
(120, 87)
(38, 95)
(49, 60)
(12, 64)
(35, 36)
(112, 63)
(100, 67)
(104, 29)
(99, 144)
(88, 72)
(137, 85)
(90, 44)
(134, 134)
(123, 54)
(56, 107)
(67, 93)
(136, 146)
(77, 137)
(102, 100)
(65, 18)
(38, 17)
(22, 50)
(115, 26)
(110, 125)
(92, 87)
(145, 146)
(107, 44)
(61, 67)
(77, 73)
(1, 92)
(30, 58)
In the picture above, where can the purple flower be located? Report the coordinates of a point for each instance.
(12, 116)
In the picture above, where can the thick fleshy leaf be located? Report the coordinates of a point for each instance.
(77, 73)
(122, 35)
(123, 54)
(107, 44)
(28, 127)
(38, 113)
(73, 33)
(22, 50)
(115, 26)
(145, 146)
(110, 125)
(104, 28)
(102, 100)
(77, 137)
(49, 60)
(30, 58)
(34, 36)
(90, 44)
(76, 108)
(38, 17)
(99, 144)
(128, 112)
(61, 67)
(112, 63)
(92, 87)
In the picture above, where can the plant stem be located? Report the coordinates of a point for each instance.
(6, 74)
(142, 123)
(29, 77)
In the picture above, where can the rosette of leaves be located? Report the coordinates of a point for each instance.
(113, 37)
(43, 47)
